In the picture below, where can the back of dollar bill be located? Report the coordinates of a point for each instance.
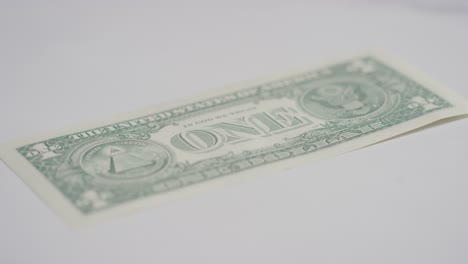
(122, 164)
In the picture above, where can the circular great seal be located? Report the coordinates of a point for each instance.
(345, 99)
(122, 161)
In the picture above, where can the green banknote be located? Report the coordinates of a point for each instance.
(122, 164)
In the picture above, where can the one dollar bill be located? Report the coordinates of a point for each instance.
(122, 164)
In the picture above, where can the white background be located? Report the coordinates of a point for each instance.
(401, 201)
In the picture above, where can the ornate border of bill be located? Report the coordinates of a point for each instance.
(141, 159)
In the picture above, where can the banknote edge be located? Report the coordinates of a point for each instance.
(60, 205)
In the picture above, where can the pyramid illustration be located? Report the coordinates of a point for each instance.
(121, 161)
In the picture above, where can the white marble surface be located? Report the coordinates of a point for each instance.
(402, 201)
